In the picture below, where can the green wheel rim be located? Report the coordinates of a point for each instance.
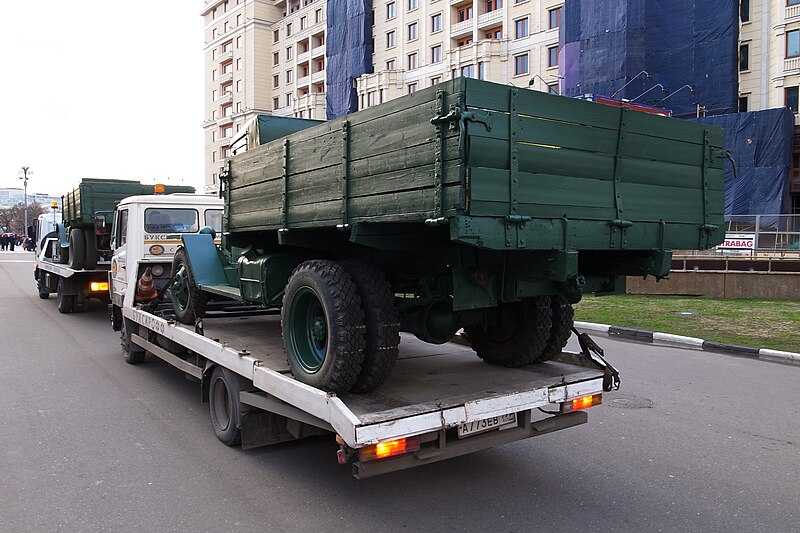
(180, 289)
(308, 330)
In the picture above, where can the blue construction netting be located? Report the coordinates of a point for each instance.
(606, 43)
(761, 144)
(348, 50)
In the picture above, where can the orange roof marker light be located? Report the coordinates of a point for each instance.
(159, 188)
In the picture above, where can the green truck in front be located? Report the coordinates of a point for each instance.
(465, 205)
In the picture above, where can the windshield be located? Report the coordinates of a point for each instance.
(214, 219)
(163, 220)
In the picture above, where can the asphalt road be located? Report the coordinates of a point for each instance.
(694, 441)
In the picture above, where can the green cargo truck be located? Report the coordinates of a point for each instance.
(465, 205)
(73, 258)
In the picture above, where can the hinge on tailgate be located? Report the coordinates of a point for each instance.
(595, 355)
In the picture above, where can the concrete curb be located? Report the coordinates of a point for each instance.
(710, 346)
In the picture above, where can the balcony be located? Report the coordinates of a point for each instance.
(303, 81)
(792, 12)
(318, 51)
(222, 78)
(461, 28)
(318, 76)
(459, 2)
(224, 56)
(791, 64)
(486, 50)
(302, 58)
(224, 97)
(491, 18)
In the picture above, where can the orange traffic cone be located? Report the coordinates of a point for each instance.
(145, 288)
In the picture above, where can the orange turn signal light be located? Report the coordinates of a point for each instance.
(96, 286)
(389, 448)
(584, 402)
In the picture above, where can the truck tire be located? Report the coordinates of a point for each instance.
(519, 337)
(382, 321)
(561, 329)
(188, 301)
(323, 326)
(77, 248)
(90, 251)
(224, 406)
(133, 353)
(64, 302)
(41, 285)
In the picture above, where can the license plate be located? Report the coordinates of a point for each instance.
(487, 424)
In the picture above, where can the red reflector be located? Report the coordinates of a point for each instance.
(390, 448)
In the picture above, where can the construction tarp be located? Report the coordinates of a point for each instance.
(348, 50)
(761, 145)
(607, 43)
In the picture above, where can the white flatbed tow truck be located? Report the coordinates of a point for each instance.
(441, 401)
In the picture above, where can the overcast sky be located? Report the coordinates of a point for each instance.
(101, 89)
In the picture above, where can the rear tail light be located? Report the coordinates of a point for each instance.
(391, 448)
(584, 402)
(98, 286)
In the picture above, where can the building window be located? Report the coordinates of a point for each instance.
(318, 16)
(226, 88)
(493, 5)
(391, 10)
(276, 58)
(390, 65)
(552, 56)
(390, 40)
(521, 28)
(552, 88)
(227, 46)
(554, 17)
(289, 76)
(436, 23)
(276, 36)
(521, 64)
(289, 29)
(464, 42)
(412, 88)
(743, 101)
(793, 43)
(288, 53)
(303, 22)
(436, 80)
(412, 31)
(436, 54)
(744, 57)
(412, 61)
(790, 94)
(468, 71)
(465, 13)
(744, 10)
(413, 4)
(495, 33)
(372, 98)
(226, 110)
(288, 99)
(227, 67)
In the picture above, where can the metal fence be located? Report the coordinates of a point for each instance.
(761, 234)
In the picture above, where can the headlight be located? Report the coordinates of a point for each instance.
(157, 270)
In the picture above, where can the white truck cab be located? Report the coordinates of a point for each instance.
(147, 232)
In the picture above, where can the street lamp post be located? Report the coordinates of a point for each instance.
(24, 173)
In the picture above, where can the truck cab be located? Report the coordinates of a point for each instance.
(147, 232)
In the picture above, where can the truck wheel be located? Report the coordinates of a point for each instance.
(134, 354)
(223, 403)
(41, 285)
(520, 335)
(64, 302)
(561, 330)
(382, 322)
(188, 301)
(323, 326)
(77, 248)
(90, 252)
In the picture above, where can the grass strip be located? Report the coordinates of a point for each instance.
(771, 324)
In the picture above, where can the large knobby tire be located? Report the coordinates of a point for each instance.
(224, 405)
(77, 248)
(520, 335)
(382, 321)
(64, 302)
(90, 241)
(323, 326)
(561, 329)
(188, 301)
(133, 353)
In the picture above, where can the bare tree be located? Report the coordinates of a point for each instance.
(13, 217)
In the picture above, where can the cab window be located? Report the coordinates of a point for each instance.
(121, 233)
(214, 219)
(163, 220)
